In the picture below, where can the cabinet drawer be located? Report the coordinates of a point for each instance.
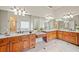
(53, 31)
(25, 38)
(32, 36)
(60, 32)
(66, 33)
(4, 41)
(74, 40)
(15, 39)
(73, 34)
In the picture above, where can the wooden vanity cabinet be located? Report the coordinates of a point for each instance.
(32, 38)
(16, 47)
(51, 35)
(16, 44)
(54, 34)
(66, 36)
(73, 37)
(26, 42)
(4, 45)
(60, 35)
(70, 37)
(77, 38)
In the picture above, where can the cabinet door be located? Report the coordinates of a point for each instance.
(54, 36)
(60, 35)
(26, 45)
(16, 47)
(77, 38)
(49, 36)
(32, 40)
(66, 36)
(73, 40)
(54, 33)
(4, 48)
(4, 45)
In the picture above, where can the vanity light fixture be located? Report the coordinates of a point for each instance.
(15, 11)
(19, 11)
(69, 15)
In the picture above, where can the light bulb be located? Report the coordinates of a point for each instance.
(49, 17)
(19, 12)
(15, 11)
(71, 16)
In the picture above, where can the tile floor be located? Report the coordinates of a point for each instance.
(56, 45)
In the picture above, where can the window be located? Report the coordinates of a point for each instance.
(24, 25)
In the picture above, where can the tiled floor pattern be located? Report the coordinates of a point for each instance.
(55, 45)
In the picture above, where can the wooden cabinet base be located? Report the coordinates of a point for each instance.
(17, 43)
(16, 47)
(4, 45)
(32, 40)
(4, 48)
(71, 37)
(50, 36)
(26, 45)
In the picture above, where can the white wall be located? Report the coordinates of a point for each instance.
(3, 21)
(5, 16)
(76, 18)
(0, 22)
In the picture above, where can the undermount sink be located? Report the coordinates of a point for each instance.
(7, 34)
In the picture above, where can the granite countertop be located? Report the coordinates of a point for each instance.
(12, 35)
(37, 33)
(19, 34)
(69, 31)
(61, 30)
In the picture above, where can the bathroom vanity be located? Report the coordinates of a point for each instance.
(17, 43)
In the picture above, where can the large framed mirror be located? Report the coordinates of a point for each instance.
(12, 23)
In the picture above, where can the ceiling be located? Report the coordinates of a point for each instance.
(43, 11)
